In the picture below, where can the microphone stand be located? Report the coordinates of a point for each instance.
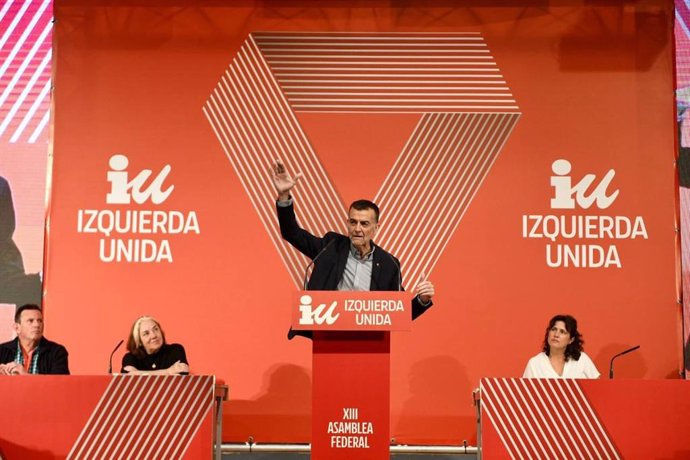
(110, 365)
(620, 354)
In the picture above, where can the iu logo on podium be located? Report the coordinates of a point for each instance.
(318, 315)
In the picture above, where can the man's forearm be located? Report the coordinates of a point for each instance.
(418, 308)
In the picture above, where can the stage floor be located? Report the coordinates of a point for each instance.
(304, 456)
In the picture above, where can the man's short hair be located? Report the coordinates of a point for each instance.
(363, 205)
(23, 308)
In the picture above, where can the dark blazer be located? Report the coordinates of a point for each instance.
(329, 266)
(52, 357)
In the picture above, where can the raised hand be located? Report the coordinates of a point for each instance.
(424, 289)
(283, 181)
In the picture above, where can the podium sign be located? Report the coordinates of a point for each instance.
(351, 368)
(350, 396)
(351, 311)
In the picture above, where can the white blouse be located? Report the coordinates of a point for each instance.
(540, 367)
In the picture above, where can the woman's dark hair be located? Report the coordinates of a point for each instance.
(574, 349)
(134, 344)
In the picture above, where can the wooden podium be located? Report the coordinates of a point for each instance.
(351, 368)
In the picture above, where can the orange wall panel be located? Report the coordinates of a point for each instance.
(588, 84)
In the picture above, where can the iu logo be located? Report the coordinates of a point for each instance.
(122, 189)
(564, 190)
(318, 315)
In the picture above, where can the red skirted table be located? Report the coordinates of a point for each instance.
(567, 419)
(86, 417)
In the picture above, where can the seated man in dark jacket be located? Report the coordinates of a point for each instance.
(30, 352)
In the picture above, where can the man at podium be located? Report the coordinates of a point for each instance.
(344, 263)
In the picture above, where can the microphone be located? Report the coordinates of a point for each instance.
(620, 354)
(306, 270)
(110, 366)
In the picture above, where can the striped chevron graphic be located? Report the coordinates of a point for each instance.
(545, 419)
(25, 66)
(467, 113)
(453, 152)
(385, 72)
(174, 407)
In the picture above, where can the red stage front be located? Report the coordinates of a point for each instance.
(79, 417)
(568, 418)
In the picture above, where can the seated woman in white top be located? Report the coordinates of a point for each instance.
(562, 356)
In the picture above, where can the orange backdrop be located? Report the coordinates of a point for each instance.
(589, 84)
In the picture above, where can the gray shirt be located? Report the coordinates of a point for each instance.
(357, 274)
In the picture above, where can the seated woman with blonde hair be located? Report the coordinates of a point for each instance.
(562, 355)
(148, 353)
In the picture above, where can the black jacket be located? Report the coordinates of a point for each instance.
(166, 356)
(52, 357)
(330, 265)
